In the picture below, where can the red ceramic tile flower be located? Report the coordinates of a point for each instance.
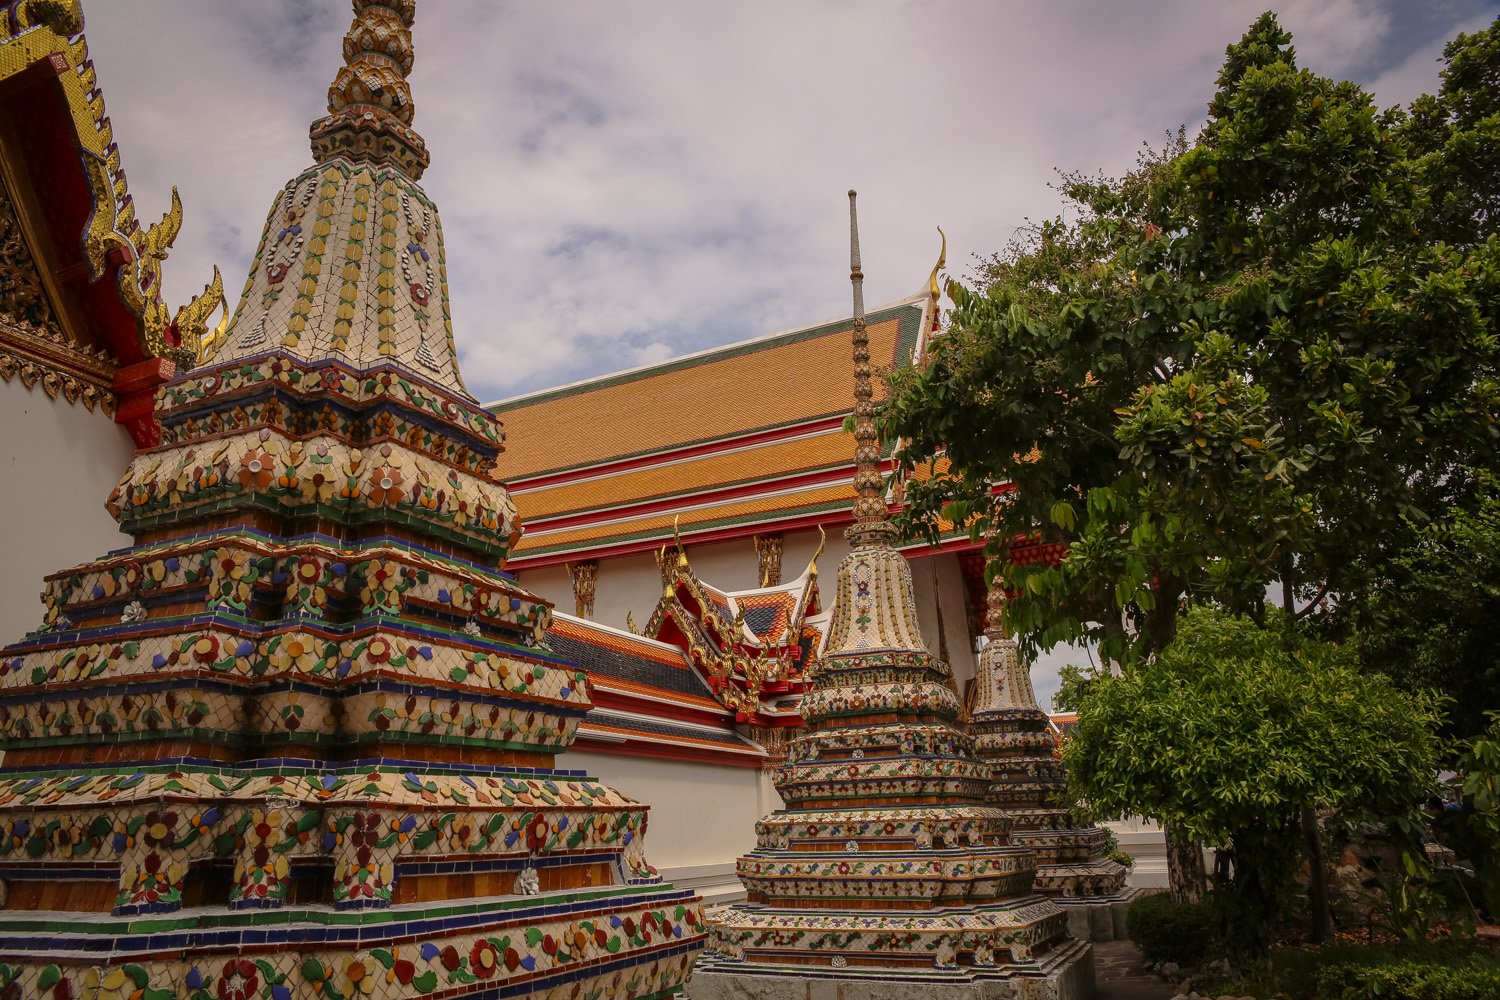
(238, 981)
(484, 959)
(385, 486)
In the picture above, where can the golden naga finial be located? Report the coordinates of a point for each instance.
(191, 320)
(139, 279)
(932, 283)
(630, 623)
(812, 564)
(666, 573)
(682, 559)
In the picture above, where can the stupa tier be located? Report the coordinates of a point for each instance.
(887, 870)
(1029, 783)
(299, 739)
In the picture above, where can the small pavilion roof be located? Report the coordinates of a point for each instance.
(647, 700)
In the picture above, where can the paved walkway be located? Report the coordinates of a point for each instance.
(1118, 972)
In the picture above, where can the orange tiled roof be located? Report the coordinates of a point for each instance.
(635, 687)
(770, 382)
(634, 645)
(777, 458)
(728, 744)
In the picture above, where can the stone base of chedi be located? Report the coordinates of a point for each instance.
(1015, 737)
(887, 868)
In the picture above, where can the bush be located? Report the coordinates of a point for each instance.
(1409, 981)
(1169, 931)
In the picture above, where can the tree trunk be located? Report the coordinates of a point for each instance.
(1317, 881)
(1186, 875)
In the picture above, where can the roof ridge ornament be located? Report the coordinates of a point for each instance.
(872, 528)
(933, 291)
(369, 102)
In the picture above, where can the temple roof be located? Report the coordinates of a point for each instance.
(732, 441)
(751, 646)
(647, 699)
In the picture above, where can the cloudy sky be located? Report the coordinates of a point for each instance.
(621, 182)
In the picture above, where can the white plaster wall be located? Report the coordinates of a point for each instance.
(58, 463)
(702, 815)
(949, 589)
(552, 583)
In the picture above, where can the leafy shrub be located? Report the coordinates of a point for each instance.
(1170, 931)
(1410, 981)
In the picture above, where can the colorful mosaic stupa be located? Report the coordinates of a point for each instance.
(887, 871)
(298, 740)
(1030, 784)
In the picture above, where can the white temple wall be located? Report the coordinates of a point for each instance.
(552, 583)
(58, 463)
(939, 574)
(702, 815)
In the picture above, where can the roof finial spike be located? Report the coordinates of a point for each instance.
(369, 102)
(856, 276)
(871, 526)
(932, 283)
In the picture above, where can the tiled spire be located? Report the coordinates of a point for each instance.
(885, 867)
(351, 265)
(369, 102)
(871, 527)
(1014, 735)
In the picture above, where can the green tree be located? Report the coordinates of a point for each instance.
(1233, 733)
(1434, 620)
(1268, 354)
(1243, 362)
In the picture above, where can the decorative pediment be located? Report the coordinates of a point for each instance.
(35, 347)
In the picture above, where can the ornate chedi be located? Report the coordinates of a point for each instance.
(887, 868)
(298, 740)
(1029, 783)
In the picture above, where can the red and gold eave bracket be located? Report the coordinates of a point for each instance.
(61, 169)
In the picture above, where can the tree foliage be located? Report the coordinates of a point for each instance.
(1434, 621)
(1266, 354)
(1237, 728)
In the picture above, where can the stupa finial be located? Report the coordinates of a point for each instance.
(994, 616)
(871, 527)
(369, 102)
